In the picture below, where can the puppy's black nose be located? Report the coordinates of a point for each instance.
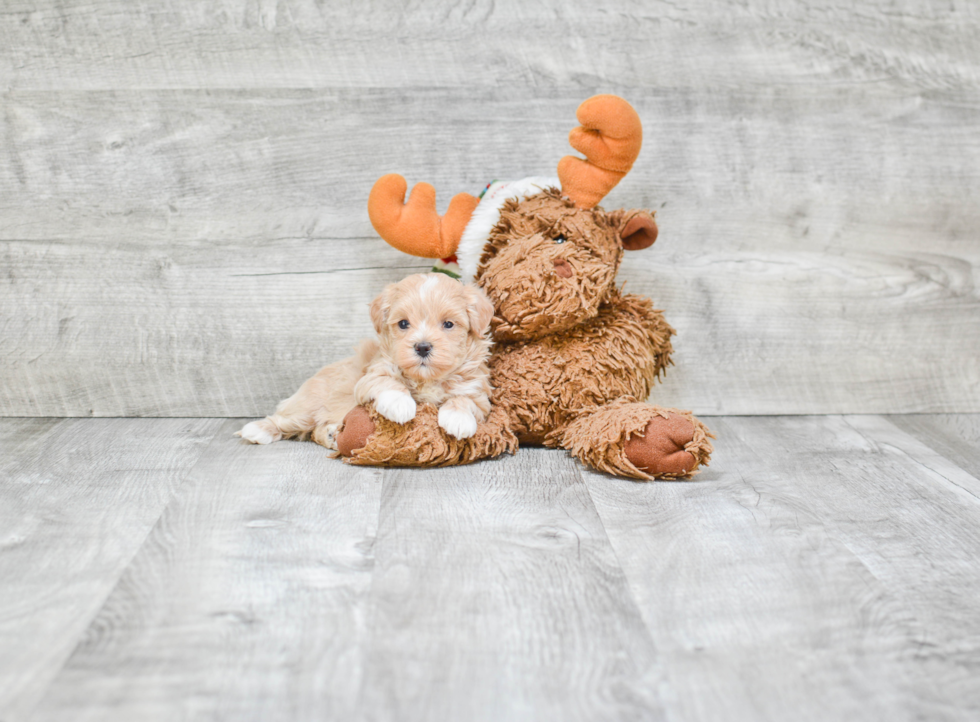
(422, 348)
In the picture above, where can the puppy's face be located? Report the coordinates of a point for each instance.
(430, 324)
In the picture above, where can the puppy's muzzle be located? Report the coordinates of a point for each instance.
(423, 349)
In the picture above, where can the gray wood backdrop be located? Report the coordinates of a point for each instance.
(183, 187)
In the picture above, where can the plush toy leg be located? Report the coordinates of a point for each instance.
(355, 431)
(627, 438)
(369, 439)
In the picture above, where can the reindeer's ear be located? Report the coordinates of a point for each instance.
(479, 310)
(380, 308)
(637, 229)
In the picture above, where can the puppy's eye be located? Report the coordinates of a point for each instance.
(447, 324)
(403, 324)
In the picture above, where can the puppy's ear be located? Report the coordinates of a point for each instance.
(380, 308)
(637, 229)
(479, 310)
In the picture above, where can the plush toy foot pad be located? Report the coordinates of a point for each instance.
(357, 429)
(629, 438)
(659, 450)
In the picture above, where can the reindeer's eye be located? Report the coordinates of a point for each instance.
(559, 238)
(447, 325)
(403, 324)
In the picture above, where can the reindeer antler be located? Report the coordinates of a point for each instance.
(610, 138)
(415, 228)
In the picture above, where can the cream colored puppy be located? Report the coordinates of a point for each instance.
(432, 347)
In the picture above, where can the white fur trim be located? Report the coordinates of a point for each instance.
(487, 215)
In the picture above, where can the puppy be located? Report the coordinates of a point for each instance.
(432, 347)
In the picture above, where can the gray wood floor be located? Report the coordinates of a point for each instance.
(160, 569)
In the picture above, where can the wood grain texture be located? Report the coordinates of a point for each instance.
(496, 596)
(246, 601)
(816, 560)
(110, 44)
(181, 331)
(898, 441)
(814, 167)
(821, 568)
(817, 167)
(824, 308)
(491, 592)
(77, 499)
(955, 437)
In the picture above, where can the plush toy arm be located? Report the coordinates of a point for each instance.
(368, 438)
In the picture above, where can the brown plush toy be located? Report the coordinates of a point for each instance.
(574, 358)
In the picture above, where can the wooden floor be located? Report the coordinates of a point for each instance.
(824, 568)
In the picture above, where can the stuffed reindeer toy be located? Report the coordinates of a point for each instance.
(574, 358)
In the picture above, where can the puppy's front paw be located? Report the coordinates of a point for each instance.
(395, 405)
(255, 433)
(460, 424)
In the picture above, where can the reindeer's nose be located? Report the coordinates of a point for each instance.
(423, 348)
(562, 268)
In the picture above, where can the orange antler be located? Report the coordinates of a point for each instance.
(415, 227)
(610, 138)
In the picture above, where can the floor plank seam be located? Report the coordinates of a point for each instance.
(824, 414)
(369, 605)
(629, 585)
(916, 461)
(123, 568)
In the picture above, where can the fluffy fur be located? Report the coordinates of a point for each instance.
(487, 215)
(432, 347)
(574, 356)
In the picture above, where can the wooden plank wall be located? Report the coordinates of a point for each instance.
(183, 184)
